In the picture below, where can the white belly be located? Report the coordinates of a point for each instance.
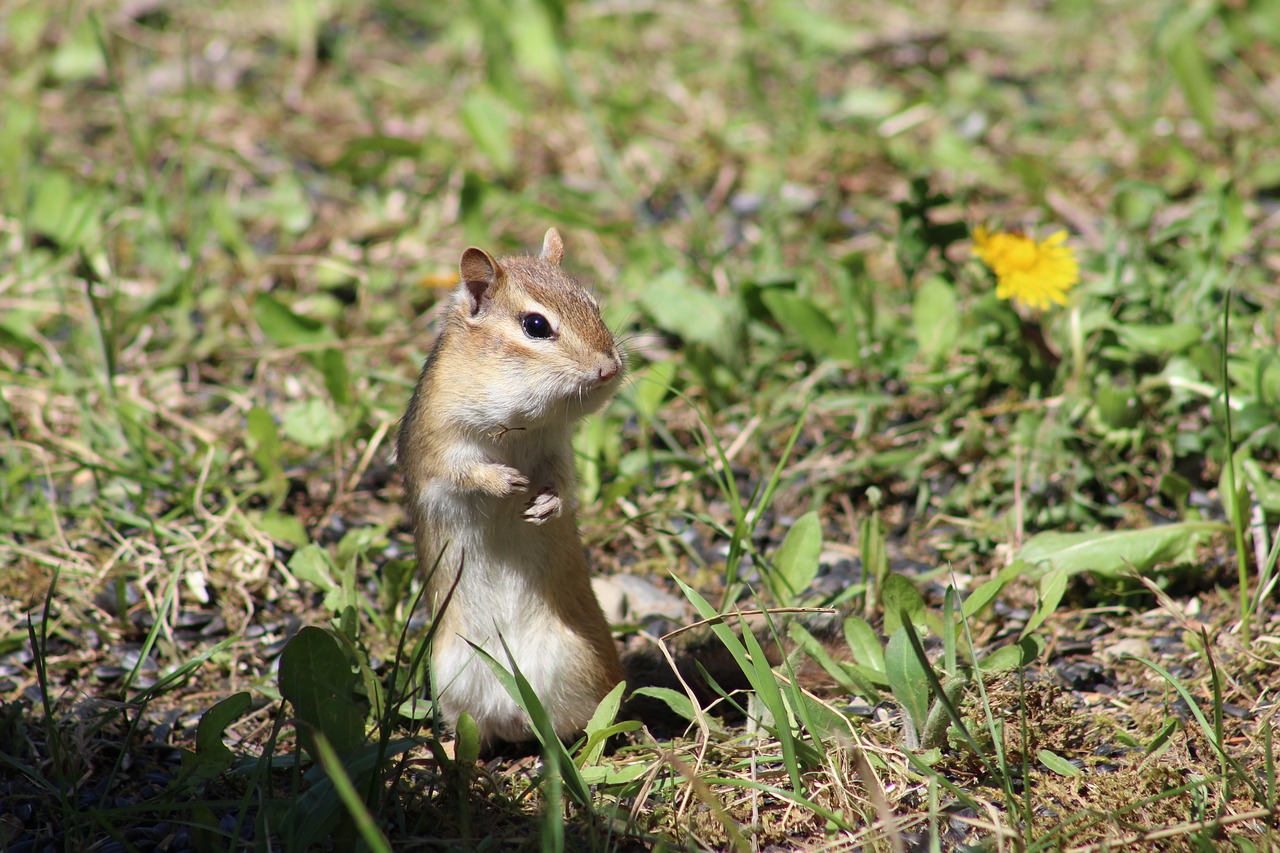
(507, 578)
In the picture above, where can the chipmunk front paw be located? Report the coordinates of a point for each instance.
(499, 480)
(543, 507)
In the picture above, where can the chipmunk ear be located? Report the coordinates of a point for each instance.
(481, 278)
(552, 247)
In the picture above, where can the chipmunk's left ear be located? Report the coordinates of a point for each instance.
(552, 247)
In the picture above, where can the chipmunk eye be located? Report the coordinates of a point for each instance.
(536, 326)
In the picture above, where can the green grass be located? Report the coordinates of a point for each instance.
(224, 234)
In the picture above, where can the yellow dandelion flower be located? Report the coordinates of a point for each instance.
(1032, 274)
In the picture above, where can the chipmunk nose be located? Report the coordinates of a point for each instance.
(607, 373)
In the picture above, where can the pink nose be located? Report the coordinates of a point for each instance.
(607, 373)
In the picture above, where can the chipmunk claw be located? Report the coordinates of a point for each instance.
(543, 507)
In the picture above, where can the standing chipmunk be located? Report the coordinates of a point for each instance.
(486, 451)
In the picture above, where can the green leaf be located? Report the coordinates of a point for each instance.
(675, 700)
(1186, 60)
(211, 755)
(286, 328)
(1052, 587)
(1235, 503)
(312, 423)
(1057, 763)
(1008, 658)
(487, 120)
(849, 678)
(652, 386)
(1266, 488)
(936, 318)
(317, 680)
(800, 316)
(1162, 736)
(600, 725)
(695, 315)
(284, 527)
(467, 743)
(65, 211)
(337, 379)
(608, 774)
(288, 204)
(1168, 339)
(367, 157)
(864, 643)
(796, 561)
(989, 589)
(907, 678)
(534, 42)
(312, 564)
(264, 444)
(900, 596)
(1113, 553)
(79, 55)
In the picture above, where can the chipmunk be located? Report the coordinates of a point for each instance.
(486, 452)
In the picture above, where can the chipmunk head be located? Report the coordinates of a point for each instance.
(540, 349)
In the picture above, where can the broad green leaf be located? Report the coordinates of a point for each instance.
(652, 387)
(1052, 587)
(264, 443)
(312, 564)
(601, 721)
(337, 379)
(317, 680)
(988, 590)
(1181, 49)
(608, 774)
(1057, 763)
(907, 678)
(288, 204)
(534, 42)
(25, 24)
(312, 423)
(796, 561)
(864, 643)
(810, 323)
(1007, 658)
(285, 327)
(1235, 503)
(79, 55)
(1265, 488)
(1169, 339)
(675, 700)
(282, 526)
(65, 211)
(868, 674)
(822, 31)
(1112, 553)
(369, 156)
(211, 752)
(678, 306)
(900, 596)
(847, 677)
(936, 318)
(487, 120)
(467, 743)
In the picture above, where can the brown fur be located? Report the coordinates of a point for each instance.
(485, 450)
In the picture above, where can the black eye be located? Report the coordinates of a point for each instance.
(536, 326)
